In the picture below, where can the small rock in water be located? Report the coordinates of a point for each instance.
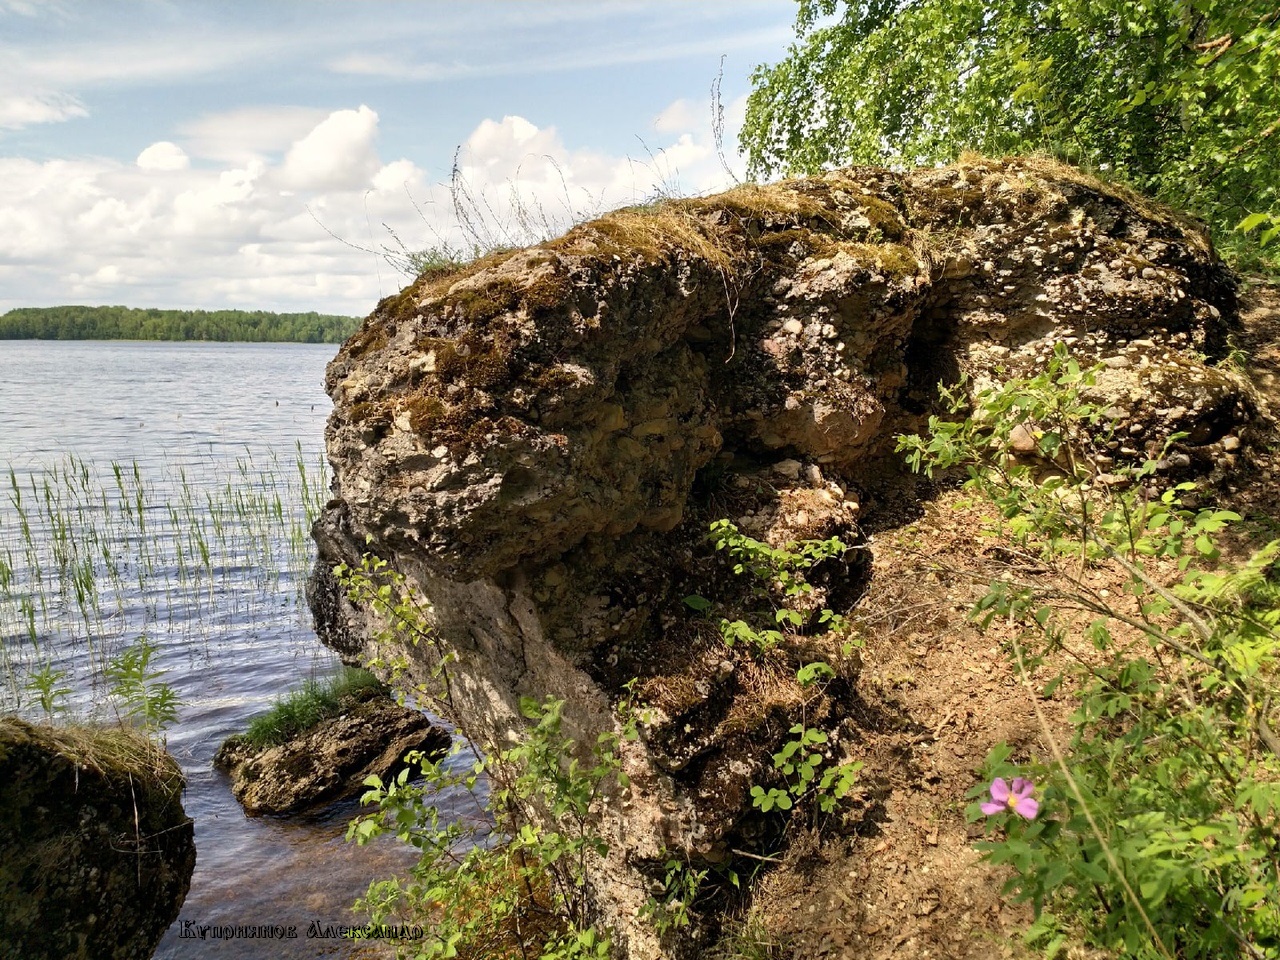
(330, 760)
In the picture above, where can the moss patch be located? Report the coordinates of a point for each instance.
(426, 413)
(548, 291)
(892, 258)
(372, 336)
(648, 234)
(478, 302)
(884, 217)
(371, 412)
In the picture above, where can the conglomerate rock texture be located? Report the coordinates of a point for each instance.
(539, 440)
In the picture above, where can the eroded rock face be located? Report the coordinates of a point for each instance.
(96, 853)
(539, 441)
(369, 737)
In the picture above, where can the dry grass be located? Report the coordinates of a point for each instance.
(652, 232)
(753, 199)
(113, 751)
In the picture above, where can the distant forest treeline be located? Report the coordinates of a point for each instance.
(131, 323)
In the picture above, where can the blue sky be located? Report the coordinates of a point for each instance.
(240, 154)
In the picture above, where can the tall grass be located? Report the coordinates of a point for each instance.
(92, 557)
(306, 706)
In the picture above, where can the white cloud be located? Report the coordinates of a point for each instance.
(249, 133)
(681, 116)
(501, 150)
(226, 208)
(399, 176)
(337, 154)
(117, 62)
(383, 65)
(163, 156)
(19, 110)
(306, 230)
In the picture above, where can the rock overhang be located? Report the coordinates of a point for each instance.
(539, 440)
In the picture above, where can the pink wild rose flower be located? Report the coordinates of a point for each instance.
(1016, 798)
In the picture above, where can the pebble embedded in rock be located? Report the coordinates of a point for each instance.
(788, 468)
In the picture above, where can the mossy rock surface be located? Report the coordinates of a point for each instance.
(96, 852)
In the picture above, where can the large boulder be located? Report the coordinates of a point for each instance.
(538, 442)
(96, 853)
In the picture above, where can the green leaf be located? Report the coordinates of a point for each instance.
(1052, 686)
(1252, 221)
(811, 673)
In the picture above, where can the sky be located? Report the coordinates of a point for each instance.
(283, 154)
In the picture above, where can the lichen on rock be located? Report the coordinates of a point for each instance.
(539, 441)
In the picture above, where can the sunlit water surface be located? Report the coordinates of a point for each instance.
(181, 452)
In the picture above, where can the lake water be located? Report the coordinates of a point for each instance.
(181, 517)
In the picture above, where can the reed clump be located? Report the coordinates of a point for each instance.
(93, 557)
(314, 702)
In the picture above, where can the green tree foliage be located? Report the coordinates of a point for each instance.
(1178, 97)
(132, 323)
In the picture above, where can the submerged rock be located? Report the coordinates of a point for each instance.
(538, 442)
(96, 853)
(328, 762)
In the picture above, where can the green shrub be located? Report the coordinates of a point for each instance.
(1157, 833)
(45, 682)
(513, 880)
(145, 698)
(525, 896)
(776, 575)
